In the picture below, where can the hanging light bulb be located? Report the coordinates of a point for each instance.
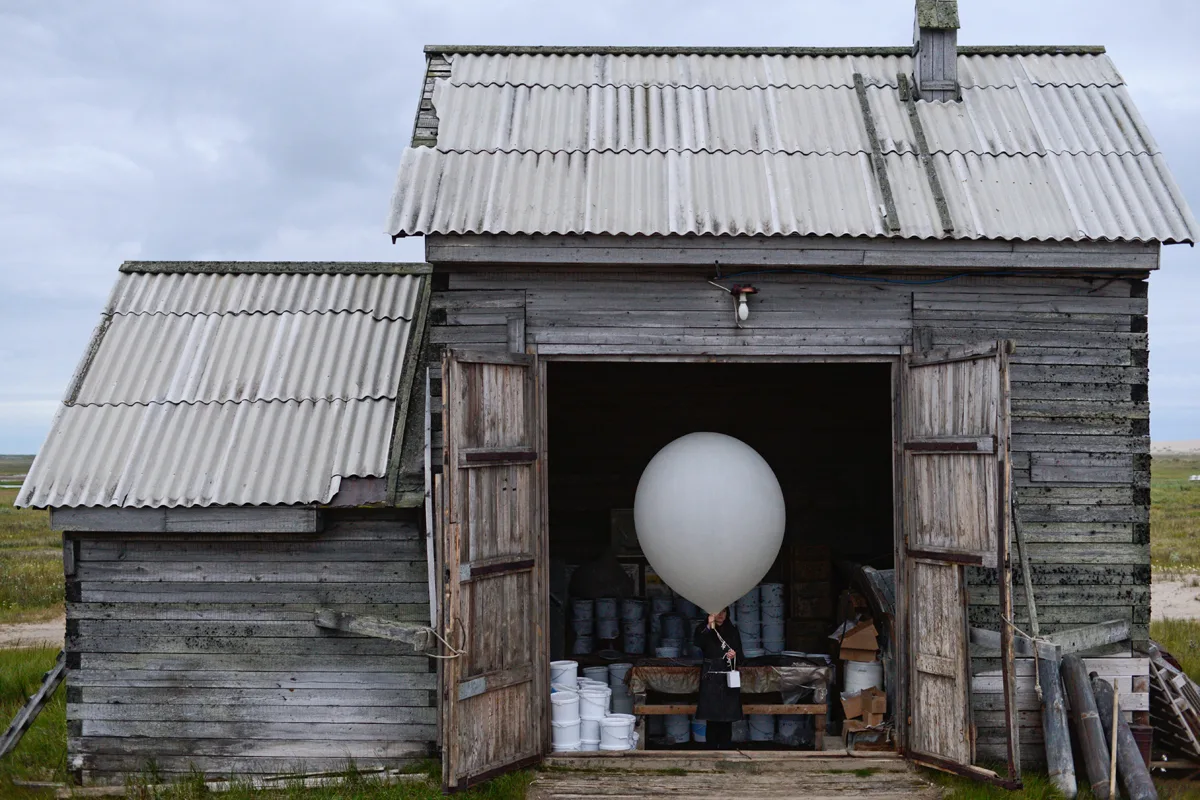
(742, 307)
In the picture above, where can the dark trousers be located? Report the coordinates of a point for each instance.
(718, 735)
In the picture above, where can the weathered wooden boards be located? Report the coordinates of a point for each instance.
(1079, 374)
(1174, 709)
(1088, 730)
(1131, 674)
(494, 694)
(201, 650)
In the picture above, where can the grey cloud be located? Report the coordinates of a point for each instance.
(273, 129)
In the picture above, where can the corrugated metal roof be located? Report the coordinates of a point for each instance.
(247, 453)
(619, 143)
(1045, 197)
(232, 389)
(381, 296)
(1030, 120)
(207, 358)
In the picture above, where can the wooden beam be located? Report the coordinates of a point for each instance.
(37, 702)
(1056, 645)
(753, 708)
(419, 636)
(213, 519)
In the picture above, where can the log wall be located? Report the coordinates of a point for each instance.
(1080, 406)
(200, 651)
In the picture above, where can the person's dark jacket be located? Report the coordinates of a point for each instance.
(718, 703)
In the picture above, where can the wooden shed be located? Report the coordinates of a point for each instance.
(913, 278)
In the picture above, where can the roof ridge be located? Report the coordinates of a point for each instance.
(575, 50)
(229, 401)
(277, 267)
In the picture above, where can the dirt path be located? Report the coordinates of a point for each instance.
(33, 634)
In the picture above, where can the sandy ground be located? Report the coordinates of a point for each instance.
(1186, 447)
(33, 634)
(1177, 599)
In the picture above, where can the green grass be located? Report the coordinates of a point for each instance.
(42, 753)
(31, 563)
(1174, 513)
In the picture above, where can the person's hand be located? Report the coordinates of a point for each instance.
(712, 620)
(730, 654)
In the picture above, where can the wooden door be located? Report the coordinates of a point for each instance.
(495, 692)
(956, 513)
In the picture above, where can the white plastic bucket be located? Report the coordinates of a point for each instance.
(771, 595)
(617, 673)
(564, 672)
(635, 636)
(679, 728)
(589, 729)
(861, 675)
(748, 604)
(564, 706)
(752, 628)
(616, 732)
(583, 627)
(599, 674)
(606, 608)
(582, 608)
(662, 605)
(562, 748)
(772, 631)
(564, 687)
(751, 642)
(756, 652)
(786, 728)
(583, 646)
(564, 733)
(622, 703)
(667, 652)
(699, 730)
(589, 745)
(594, 702)
(633, 608)
(686, 607)
(772, 616)
(773, 648)
(741, 731)
(673, 627)
(607, 628)
(762, 727)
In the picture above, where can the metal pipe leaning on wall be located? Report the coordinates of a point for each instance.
(1060, 761)
(1130, 767)
(1089, 731)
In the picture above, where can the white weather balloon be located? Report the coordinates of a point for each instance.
(710, 517)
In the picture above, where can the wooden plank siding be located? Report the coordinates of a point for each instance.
(200, 650)
(1080, 410)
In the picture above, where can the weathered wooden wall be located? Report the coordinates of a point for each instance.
(1080, 410)
(199, 650)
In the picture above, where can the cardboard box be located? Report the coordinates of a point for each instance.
(872, 720)
(853, 726)
(861, 637)
(852, 705)
(850, 654)
(868, 703)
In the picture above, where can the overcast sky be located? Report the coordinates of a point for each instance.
(272, 129)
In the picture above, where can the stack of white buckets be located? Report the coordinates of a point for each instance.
(599, 620)
(582, 716)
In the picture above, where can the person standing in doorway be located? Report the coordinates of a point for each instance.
(720, 705)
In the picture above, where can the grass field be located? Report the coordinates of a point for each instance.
(1175, 513)
(31, 563)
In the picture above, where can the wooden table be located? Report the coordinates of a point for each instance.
(643, 709)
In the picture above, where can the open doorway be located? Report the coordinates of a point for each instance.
(826, 429)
